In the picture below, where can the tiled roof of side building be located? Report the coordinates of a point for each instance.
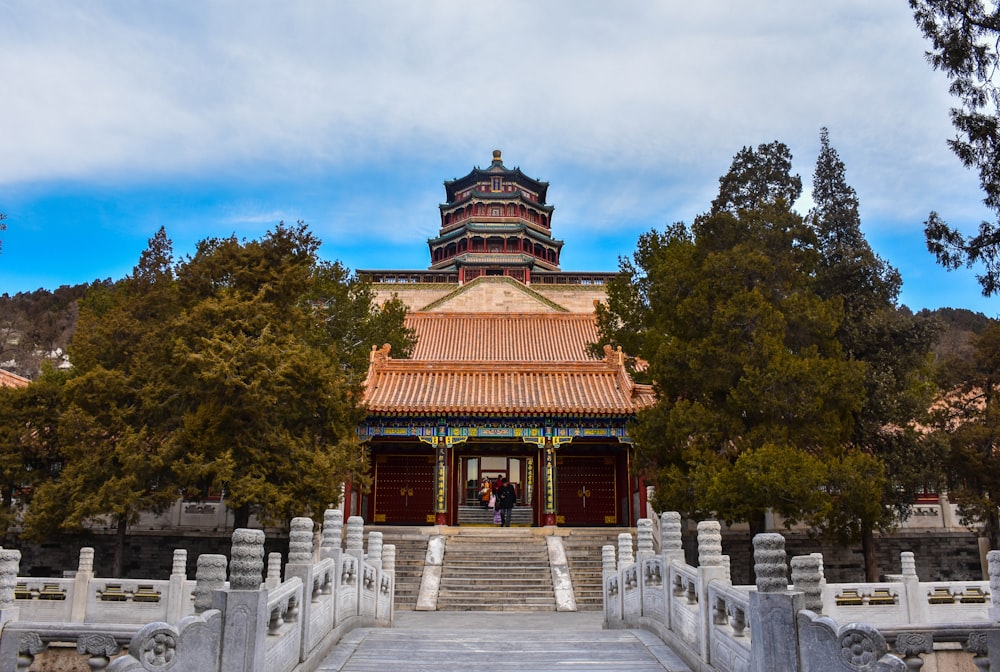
(503, 337)
(8, 379)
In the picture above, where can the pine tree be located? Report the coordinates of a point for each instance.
(893, 346)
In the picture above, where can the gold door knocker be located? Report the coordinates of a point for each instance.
(583, 493)
(406, 493)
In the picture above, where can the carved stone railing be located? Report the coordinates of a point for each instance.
(250, 623)
(715, 625)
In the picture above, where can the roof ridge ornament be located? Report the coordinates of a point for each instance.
(380, 356)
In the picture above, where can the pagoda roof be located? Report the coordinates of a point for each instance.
(505, 259)
(497, 196)
(483, 387)
(537, 233)
(496, 167)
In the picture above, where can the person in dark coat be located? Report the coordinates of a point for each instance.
(506, 498)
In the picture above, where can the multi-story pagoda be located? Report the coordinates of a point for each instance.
(495, 223)
(502, 381)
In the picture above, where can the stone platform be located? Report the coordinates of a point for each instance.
(452, 641)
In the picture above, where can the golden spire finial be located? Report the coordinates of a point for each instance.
(496, 154)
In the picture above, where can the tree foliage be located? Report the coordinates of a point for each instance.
(752, 381)
(236, 370)
(30, 451)
(965, 45)
(788, 375)
(968, 417)
(894, 346)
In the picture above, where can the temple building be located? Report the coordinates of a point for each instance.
(502, 381)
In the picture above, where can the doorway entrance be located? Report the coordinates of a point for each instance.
(475, 470)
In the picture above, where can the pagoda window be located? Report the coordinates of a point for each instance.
(463, 245)
(539, 251)
(513, 245)
(552, 256)
(526, 245)
(437, 254)
(480, 209)
(545, 221)
(478, 245)
(495, 211)
(449, 251)
(496, 184)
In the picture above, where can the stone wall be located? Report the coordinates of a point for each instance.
(940, 556)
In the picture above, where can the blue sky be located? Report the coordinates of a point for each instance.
(218, 118)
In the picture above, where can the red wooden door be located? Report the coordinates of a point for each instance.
(585, 491)
(404, 489)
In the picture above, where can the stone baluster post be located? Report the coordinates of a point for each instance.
(710, 568)
(389, 558)
(176, 606)
(356, 537)
(644, 539)
(625, 557)
(978, 645)
(670, 530)
(609, 562)
(993, 560)
(300, 564)
(210, 576)
(244, 606)
(909, 646)
(917, 608)
(332, 543)
(993, 635)
(273, 577)
(773, 609)
(81, 585)
(375, 549)
(98, 647)
(806, 578)
(10, 565)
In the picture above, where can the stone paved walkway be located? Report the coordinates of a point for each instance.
(475, 641)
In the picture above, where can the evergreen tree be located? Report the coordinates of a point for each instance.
(965, 41)
(894, 346)
(30, 451)
(117, 461)
(968, 418)
(751, 379)
(230, 371)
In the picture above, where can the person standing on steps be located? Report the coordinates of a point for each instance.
(506, 496)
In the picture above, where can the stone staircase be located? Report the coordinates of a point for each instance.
(521, 516)
(411, 548)
(583, 554)
(500, 569)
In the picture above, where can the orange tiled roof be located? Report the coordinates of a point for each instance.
(507, 337)
(8, 379)
(419, 387)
